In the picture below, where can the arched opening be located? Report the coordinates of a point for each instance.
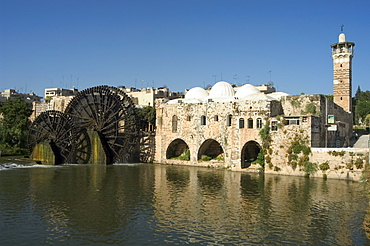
(250, 123)
(250, 152)
(210, 149)
(174, 123)
(178, 149)
(229, 119)
(259, 123)
(203, 120)
(241, 123)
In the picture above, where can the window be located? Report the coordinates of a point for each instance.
(216, 118)
(203, 120)
(174, 123)
(292, 121)
(304, 119)
(250, 123)
(188, 118)
(274, 125)
(229, 118)
(241, 123)
(259, 123)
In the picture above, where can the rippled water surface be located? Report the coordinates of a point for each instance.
(144, 204)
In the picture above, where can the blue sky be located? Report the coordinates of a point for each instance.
(179, 43)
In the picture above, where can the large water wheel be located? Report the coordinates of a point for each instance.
(108, 113)
(53, 132)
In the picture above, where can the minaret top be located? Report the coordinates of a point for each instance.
(342, 38)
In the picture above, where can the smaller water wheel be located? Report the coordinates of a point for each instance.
(53, 130)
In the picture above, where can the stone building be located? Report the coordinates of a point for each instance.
(57, 92)
(238, 127)
(147, 96)
(10, 94)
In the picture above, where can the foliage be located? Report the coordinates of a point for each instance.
(266, 140)
(295, 103)
(145, 116)
(277, 169)
(310, 108)
(310, 168)
(337, 153)
(14, 126)
(362, 110)
(185, 156)
(219, 158)
(260, 159)
(206, 158)
(329, 96)
(324, 166)
(359, 163)
(361, 103)
(298, 152)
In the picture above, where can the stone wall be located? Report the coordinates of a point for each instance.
(297, 123)
(221, 123)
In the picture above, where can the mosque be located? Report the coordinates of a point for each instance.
(237, 127)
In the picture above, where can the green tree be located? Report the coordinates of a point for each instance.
(14, 125)
(367, 120)
(362, 110)
(145, 116)
(361, 102)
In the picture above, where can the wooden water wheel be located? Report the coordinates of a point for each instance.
(56, 130)
(110, 113)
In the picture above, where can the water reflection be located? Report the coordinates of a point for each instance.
(159, 204)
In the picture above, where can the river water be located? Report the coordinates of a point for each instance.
(147, 204)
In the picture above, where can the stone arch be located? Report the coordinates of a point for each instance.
(210, 148)
(178, 148)
(250, 151)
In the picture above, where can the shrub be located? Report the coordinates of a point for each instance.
(206, 158)
(310, 168)
(324, 166)
(359, 163)
(277, 169)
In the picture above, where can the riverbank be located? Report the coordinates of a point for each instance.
(16, 159)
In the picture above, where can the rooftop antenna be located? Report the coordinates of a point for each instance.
(247, 78)
(235, 78)
(270, 74)
(215, 77)
(77, 82)
(341, 28)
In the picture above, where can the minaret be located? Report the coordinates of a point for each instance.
(342, 53)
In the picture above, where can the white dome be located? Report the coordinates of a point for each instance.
(342, 38)
(246, 90)
(221, 89)
(196, 93)
(278, 95)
